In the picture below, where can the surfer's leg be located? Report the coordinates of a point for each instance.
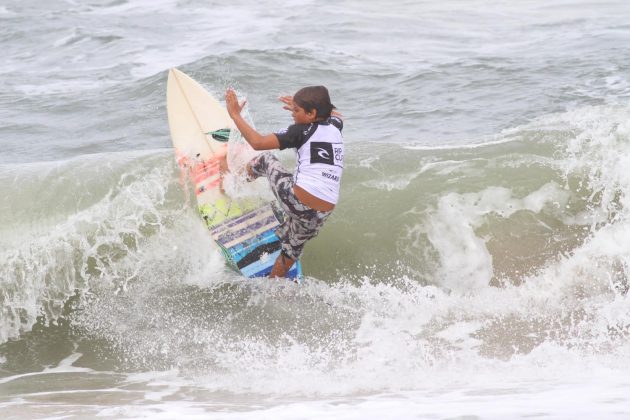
(282, 265)
(280, 180)
(293, 234)
(266, 164)
(301, 223)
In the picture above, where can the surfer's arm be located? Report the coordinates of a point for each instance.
(253, 137)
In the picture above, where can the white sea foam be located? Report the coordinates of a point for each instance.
(466, 264)
(105, 244)
(396, 182)
(562, 399)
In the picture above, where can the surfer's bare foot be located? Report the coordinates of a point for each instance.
(221, 158)
(223, 166)
(250, 174)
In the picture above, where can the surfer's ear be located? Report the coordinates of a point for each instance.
(312, 114)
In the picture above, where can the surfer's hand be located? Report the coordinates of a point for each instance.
(232, 105)
(288, 102)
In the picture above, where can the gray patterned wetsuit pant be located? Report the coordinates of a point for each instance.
(301, 222)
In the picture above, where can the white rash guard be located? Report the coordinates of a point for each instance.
(319, 148)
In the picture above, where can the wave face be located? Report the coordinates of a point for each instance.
(521, 241)
(479, 250)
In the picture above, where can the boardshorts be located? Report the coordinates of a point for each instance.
(301, 222)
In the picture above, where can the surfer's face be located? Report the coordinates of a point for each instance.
(300, 116)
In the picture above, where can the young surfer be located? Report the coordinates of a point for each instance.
(308, 196)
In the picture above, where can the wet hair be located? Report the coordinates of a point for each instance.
(314, 98)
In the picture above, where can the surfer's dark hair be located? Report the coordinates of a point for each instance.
(314, 98)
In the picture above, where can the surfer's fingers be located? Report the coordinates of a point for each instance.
(287, 100)
(336, 114)
(229, 95)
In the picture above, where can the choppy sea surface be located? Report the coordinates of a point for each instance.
(477, 266)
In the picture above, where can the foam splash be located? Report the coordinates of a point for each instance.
(108, 243)
(466, 263)
(269, 338)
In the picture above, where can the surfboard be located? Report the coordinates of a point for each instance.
(244, 230)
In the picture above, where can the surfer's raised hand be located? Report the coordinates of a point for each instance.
(231, 103)
(288, 102)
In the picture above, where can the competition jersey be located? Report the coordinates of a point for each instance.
(319, 156)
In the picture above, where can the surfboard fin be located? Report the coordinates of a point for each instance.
(222, 134)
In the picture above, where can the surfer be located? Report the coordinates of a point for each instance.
(309, 196)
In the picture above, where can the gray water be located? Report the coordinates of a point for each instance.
(477, 264)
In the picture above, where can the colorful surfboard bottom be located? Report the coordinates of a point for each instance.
(249, 242)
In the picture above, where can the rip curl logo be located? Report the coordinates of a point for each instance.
(322, 152)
